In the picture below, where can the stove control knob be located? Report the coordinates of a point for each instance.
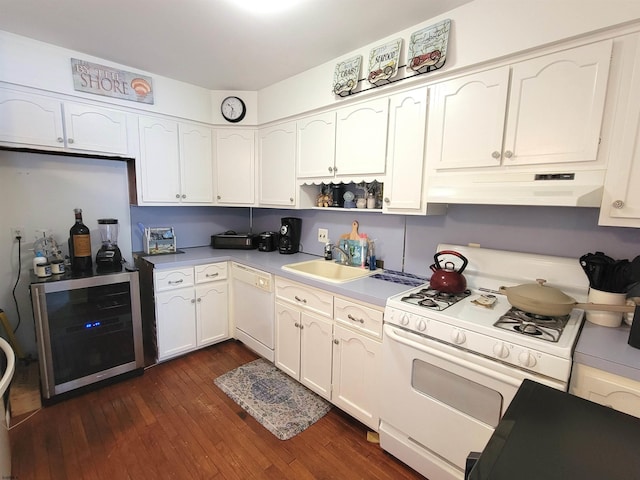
(527, 359)
(501, 350)
(458, 337)
(404, 319)
(421, 325)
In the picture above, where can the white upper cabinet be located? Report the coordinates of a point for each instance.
(549, 112)
(235, 167)
(176, 162)
(316, 147)
(361, 138)
(404, 184)
(621, 197)
(277, 166)
(41, 122)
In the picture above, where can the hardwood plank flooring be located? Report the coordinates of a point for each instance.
(173, 422)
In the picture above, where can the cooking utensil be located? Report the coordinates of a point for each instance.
(540, 299)
(596, 266)
(447, 279)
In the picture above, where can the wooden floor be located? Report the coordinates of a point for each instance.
(174, 423)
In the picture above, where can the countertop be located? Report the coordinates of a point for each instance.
(606, 348)
(549, 434)
(369, 290)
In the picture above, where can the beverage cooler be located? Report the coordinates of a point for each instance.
(88, 330)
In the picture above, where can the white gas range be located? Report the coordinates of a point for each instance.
(451, 366)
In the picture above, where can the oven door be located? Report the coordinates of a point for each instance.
(439, 402)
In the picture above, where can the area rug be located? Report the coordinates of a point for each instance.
(282, 405)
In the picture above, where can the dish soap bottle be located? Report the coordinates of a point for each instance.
(372, 255)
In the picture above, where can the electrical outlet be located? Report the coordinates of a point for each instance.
(323, 235)
(17, 232)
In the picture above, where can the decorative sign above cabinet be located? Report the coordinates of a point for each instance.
(110, 82)
(346, 75)
(428, 47)
(383, 62)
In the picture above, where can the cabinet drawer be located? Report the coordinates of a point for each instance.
(305, 297)
(175, 278)
(360, 317)
(211, 272)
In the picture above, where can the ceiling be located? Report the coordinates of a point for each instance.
(213, 43)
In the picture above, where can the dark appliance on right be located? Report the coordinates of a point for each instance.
(290, 231)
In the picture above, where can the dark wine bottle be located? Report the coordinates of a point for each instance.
(80, 245)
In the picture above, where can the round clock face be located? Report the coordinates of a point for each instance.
(233, 109)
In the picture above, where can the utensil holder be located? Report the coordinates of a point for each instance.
(605, 319)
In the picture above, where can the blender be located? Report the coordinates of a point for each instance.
(108, 258)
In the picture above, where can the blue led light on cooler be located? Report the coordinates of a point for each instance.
(92, 324)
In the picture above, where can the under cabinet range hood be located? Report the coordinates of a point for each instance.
(557, 189)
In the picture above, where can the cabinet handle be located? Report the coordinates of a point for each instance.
(354, 319)
(175, 282)
(70, 140)
(301, 326)
(508, 154)
(387, 200)
(218, 197)
(496, 154)
(335, 169)
(618, 204)
(184, 196)
(199, 300)
(330, 169)
(193, 300)
(336, 341)
(211, 275)
(291, 199)
(297, 325)
(60, 139)
(303, 300)
(177, 195)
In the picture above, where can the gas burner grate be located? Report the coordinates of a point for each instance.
(433, 299)
(538, 326)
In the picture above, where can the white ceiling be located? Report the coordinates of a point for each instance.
(213, 43)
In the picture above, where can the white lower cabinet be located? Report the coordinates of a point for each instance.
(191, 308)
(606, 388)
(303, 348)
(332, 345)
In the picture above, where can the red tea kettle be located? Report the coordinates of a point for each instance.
(447, 279)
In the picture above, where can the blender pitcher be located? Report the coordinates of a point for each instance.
(109, 258)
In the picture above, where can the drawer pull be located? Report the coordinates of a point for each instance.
(336, 341)
(354, 319)
(175, 282)
(303, 300)
(211, 275)
(297, 325)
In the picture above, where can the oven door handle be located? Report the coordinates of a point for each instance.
(393, 334)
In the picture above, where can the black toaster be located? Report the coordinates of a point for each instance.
(268, 241)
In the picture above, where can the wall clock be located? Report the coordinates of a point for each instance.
(233, 109)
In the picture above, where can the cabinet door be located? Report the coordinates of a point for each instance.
(235, 167)
(196, 164)
(316, 145)
(466, 120)
(176, 322)
(212, 313)
(31, 120)
(404, 184)
(287, 351)
(277, 172)
(159, 160)
(356, 370)
(316, 351)
(361, 138)
(556, 106)
(95, 129)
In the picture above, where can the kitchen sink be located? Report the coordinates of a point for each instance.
(328, 271)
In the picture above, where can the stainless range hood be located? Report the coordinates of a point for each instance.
(568, 189)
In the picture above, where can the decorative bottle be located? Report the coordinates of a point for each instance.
(80, 245)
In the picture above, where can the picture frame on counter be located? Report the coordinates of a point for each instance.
(383, 62)
(428, 47)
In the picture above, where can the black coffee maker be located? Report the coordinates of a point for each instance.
(290, 230)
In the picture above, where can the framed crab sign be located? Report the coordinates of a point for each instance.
(383, 62)
(428, 47)
(346, 75)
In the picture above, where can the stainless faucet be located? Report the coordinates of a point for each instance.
(346, 258)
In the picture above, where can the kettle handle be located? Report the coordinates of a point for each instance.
(454, 253)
